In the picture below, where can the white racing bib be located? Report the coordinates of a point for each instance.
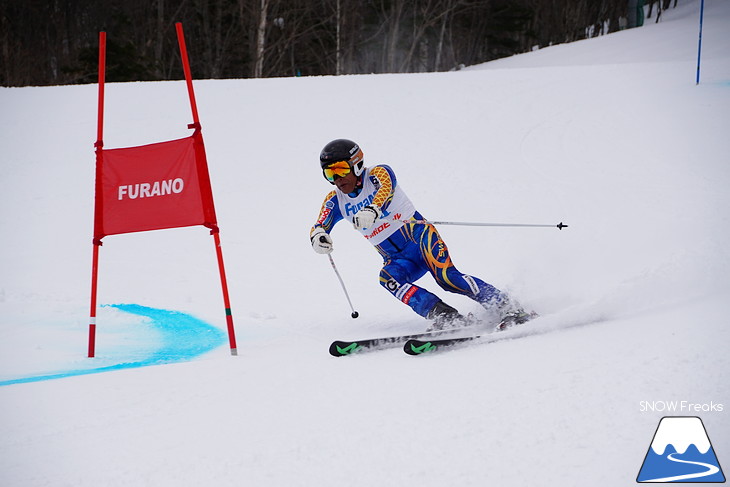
(399, 208)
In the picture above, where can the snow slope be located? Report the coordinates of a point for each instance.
(609, 135)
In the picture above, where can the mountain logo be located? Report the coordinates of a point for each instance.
(681, 452)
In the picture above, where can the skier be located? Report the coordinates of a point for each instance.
(373, 201)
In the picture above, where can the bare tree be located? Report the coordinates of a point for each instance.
(261, 39)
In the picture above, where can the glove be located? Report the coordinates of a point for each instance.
(366, 217)
(321, 241)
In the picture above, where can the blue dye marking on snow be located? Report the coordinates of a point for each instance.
(182, 338)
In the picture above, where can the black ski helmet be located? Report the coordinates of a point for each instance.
(343, 150)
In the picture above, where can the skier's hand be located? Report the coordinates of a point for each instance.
(366, 217)
(321, 241)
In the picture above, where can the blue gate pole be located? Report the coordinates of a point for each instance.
(699, 48)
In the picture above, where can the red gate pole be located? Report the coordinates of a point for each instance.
(92, 314)
(215, 231)
(186, 69)
(97, 241)
(226, 298)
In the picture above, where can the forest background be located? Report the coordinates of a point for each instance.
(55, 42)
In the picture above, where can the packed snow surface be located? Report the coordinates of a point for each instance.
(610, 135)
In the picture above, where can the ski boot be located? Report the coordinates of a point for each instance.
(514, 317)
(445, 317)
(511, 314)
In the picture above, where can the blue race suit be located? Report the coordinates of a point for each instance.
(409, 250)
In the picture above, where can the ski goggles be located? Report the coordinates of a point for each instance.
(337, 170)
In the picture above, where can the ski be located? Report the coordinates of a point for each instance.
(417, 346)
(340, 348)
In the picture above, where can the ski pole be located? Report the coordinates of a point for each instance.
(699, 43)
(354, 313)
(560, 225)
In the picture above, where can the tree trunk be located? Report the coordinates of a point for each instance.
(338, 54)
(440, 45)
(261, 40)
(393, 36)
